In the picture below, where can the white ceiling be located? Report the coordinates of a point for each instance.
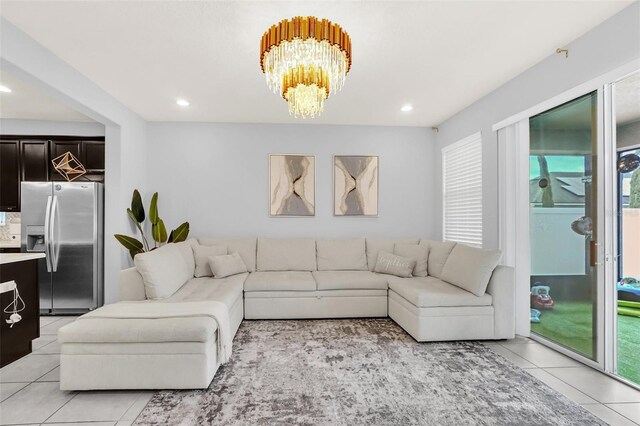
(27, 103)
(439, 56)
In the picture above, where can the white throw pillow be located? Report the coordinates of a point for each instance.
(470, 268)
(165, 269)
(438, 253)
(419, 253)
(392, 264)
(342, 255)
(227, 265)
(202, 255)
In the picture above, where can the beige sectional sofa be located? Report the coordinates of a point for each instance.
(285, 279)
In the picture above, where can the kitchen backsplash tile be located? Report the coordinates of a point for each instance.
(10, 231)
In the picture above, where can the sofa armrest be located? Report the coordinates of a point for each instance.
(131, 285)
(503, 292)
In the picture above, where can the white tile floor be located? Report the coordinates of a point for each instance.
(30, 390)
(612, 401)
(30, 394)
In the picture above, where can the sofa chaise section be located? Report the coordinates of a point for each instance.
(142, 353)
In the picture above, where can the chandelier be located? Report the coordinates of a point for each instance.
(305, 59)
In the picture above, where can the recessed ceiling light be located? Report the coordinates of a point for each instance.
(182, 102)
(5, 89)
(406, 108)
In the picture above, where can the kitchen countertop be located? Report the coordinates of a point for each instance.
(19, 257)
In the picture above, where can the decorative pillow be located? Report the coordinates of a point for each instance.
(392, 264)
(246, 248)
(341, 255)
(202, 255)
(438, 254)
(227, 265)
(416, 252)
(470, 268)
(165, 269)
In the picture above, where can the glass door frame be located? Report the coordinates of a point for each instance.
(613, 223)
(602, 234)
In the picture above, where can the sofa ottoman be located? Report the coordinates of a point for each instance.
(164, 353)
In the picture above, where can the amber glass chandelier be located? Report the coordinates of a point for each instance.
(305, 59)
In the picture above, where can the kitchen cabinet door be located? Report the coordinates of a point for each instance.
(10, 173)
(93, 156)
(35, 160)
(59, 147)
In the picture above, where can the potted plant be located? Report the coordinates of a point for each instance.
(158, 229)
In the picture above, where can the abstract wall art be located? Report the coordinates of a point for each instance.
(292, 185)
(355, 185)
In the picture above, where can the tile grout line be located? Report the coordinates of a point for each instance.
(619, 413)
(60, 408)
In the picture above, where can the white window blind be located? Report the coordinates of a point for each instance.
(462, 191)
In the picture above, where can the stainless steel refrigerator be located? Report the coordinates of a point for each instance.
(64, 220)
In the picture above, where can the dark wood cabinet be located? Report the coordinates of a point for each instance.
(59, 148)
(89, 152)
(10, 175)
(35, 160)
(93, 156)
(15, 342)
(28, 159)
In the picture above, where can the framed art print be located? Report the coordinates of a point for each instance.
(355, 185)
(292, 185)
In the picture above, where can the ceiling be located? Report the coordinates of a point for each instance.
(27, 103)
(439, 56)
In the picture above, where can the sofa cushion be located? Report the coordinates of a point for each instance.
(227, 265)
(280, 280)
(137, 330)
(225, 290)
(389, 263)
(375, 245)
(246, 248)
(438, 254)
(342, 255)
(290, 254)
(470, 268)
(165, 269)
(349, 280)
(430, 292)
(201, 256)
(419, 253)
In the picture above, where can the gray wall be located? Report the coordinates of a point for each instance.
(216, 177)
(590, 56)
(125, 133)
(9, 126)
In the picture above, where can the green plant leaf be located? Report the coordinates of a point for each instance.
(180, 233)
(159, 232)
(129, 243)
(136, 206)
(153, 209)
(133, 253)
(132, 216)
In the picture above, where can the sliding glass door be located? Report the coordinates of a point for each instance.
(564, 206)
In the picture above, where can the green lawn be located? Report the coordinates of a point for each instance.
(570, 325)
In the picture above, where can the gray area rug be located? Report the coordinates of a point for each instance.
(353, 372)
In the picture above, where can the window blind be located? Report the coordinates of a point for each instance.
(462, 191)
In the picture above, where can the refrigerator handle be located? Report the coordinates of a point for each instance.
(52, 238)
(47, 234)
